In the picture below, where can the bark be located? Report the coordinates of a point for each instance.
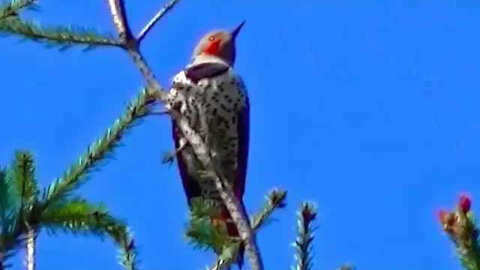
(30, 249)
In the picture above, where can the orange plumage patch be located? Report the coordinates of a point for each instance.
(212, 48)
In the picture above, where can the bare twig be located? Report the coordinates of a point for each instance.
(201, 151)
(155, 19)
(117, 9)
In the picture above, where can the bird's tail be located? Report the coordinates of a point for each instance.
(232, 232)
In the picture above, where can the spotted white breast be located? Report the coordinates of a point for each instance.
(214, 108)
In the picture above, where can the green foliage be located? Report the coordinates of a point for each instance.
(8, 218)
(62, 36)
(461, 228)
(128, 255)
(10, 9)
(97, 151)
(201, 232)
(56, 211)
(79, 216)
(465, 237)
(17, 198)
(22, 171)
(20, 210)
(8, 197)
(303, 243)
(467, 245)
(275, 199)
(76, 215)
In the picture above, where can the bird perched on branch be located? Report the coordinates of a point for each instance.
(213, 99)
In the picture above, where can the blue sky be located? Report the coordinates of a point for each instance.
(369, 108)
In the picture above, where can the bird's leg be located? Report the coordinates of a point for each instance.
(169, 157)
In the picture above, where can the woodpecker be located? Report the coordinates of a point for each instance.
(214, 100)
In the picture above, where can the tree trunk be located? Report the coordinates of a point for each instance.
(30, 248)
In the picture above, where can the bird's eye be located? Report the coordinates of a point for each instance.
(211, 38)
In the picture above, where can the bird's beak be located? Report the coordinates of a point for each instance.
(237, 29)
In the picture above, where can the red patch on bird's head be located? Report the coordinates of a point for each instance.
(212, 47)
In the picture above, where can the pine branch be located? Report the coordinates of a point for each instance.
(8, 198)
(9, 237)
(275, 199)
(201, 232)
(149, 26)
(65, 37)
(75, 216)
(97, 151)
(461, 228)
(11, 9)
(303, 243)
(79, 216)
(23, 174)
(128, 255)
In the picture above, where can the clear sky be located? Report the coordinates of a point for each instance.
(369, 108)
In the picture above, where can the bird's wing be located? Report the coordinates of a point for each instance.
(243, 142)
(190, 186)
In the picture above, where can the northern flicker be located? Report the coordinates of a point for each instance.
(213, 98)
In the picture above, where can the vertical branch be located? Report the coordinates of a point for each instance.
(241, 220)
(30, 248)
(303, 243)
(130, 44)
(117, 9)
